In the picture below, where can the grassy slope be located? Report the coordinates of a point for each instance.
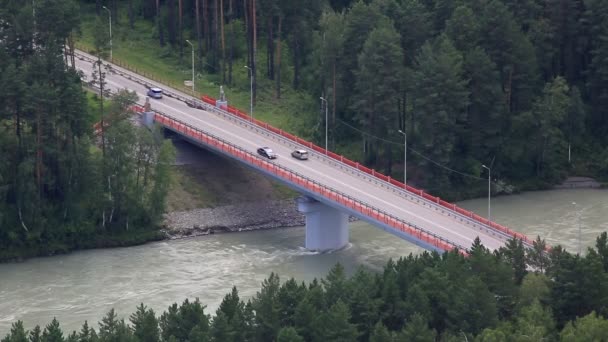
(139, 50)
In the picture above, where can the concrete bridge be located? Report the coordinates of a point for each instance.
(332, 186)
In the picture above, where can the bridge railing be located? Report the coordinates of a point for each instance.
(308, 184)
(208, 103)
(436, 201)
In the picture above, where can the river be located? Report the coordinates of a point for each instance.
(85, 285)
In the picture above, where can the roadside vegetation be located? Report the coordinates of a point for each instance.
(485, 297)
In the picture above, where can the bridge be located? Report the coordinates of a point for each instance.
(332, 186)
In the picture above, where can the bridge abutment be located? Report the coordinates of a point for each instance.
(326, 227)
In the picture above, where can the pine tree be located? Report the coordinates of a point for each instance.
(52, 332)
(335, 325)
(266, 309)
(289, 334)
(417, 330)
(380, 334)
(439, 99)
(378, 85)
(145, 324)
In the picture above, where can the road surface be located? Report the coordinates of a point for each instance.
(451, 227)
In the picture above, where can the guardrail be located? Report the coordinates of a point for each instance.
(307, 183)
(387, 179)
(208, 103)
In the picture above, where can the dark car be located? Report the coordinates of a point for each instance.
(300, 154)
(267, 152)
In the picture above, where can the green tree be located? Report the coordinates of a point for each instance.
(266, 308)
(179, 321)
(52, 332)
(543, 124)
(588, 328)
(378, 83)
(87, 334)
(145, 324)
(289, 334)
(536, 256)
(220, 328)
(381, 334)
(417, 330)
(288, 297)
(597, 82)
(514, 254)
(335, 325)
(534, 287)
(534, 323)
(463, 29)
(17, 333)
(439, 98)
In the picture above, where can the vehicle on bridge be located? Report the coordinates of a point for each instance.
(300, 154)
(267, 152)
(156, 93)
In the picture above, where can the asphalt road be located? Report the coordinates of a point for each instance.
(318, 168)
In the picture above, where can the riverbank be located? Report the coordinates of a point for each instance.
(233, 218)
(579, 183)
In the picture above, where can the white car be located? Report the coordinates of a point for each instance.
(155, 93)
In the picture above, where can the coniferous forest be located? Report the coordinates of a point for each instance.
(485, 297)
(62, 186)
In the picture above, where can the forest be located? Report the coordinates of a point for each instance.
(62, 186)
(486, 297)
(520, 86)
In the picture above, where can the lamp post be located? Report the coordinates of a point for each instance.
(110, 20)
(404, 158)
(325, 100)
(250, 92)
(489, 190)
(192, 46)
(578, 212)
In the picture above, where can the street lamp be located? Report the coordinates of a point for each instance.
(250, 92)
(110, 20)
(325, 100)
(404, 158)
(579, 226)
(192, 46)
(489, 190)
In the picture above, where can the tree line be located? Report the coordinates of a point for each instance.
(58, 190)
(488, 296)
(516, 85)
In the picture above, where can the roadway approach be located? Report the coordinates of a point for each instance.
(331, 189)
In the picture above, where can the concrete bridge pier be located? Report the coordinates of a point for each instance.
(148, 119)
(326, 227)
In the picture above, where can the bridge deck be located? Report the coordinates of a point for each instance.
(412, 209)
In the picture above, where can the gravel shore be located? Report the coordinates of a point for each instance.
(233, 218)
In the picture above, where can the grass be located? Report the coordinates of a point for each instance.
(94, 114)
(139, 50)
(186, 192)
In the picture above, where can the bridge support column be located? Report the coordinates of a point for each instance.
(148, 119)
(326, 227)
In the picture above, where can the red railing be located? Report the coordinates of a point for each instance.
(308, 184)
(373, 173)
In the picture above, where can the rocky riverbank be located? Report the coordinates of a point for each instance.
(579, 183)
(233, 218)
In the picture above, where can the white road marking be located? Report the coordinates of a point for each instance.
(311, 170)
